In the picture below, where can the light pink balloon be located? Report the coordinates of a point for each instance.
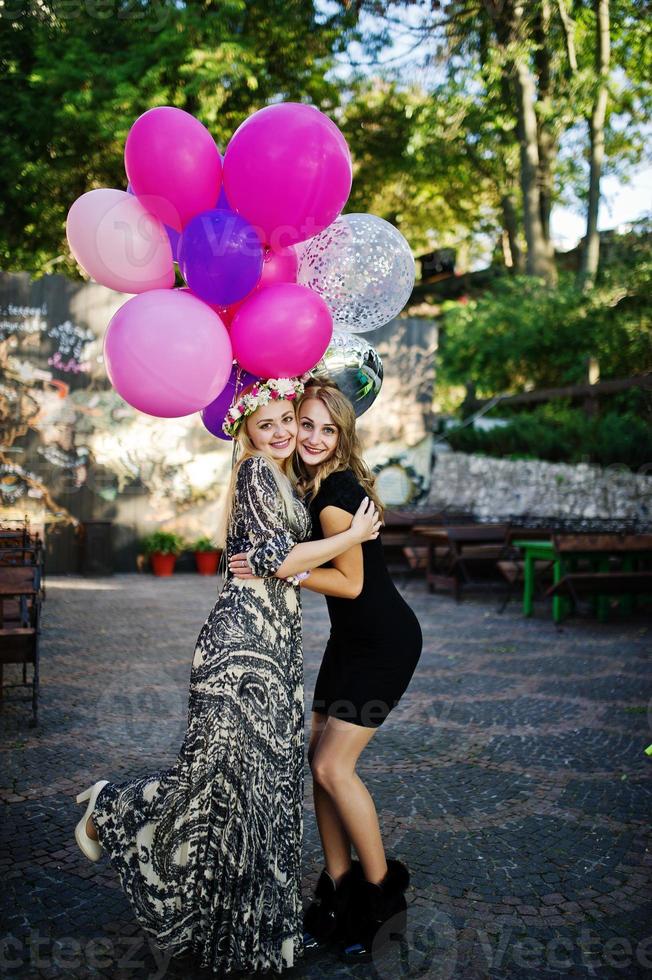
(167, 353)
(170, 155)
(281, 331)
(287, 170)
(116, 240)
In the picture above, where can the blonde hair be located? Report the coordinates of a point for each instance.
(284, 475)
(348, 451)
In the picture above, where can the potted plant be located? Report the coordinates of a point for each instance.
(207, 556)
(163, 548)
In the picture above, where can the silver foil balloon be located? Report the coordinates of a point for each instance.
(354, 366)
(363, 269)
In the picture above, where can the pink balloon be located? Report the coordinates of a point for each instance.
(280, 266)
(167, 353)
(171, 156)
(287, 170)
(118, 242)
(281, 331)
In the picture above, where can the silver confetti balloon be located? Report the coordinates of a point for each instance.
(354, 366)
(363, 269)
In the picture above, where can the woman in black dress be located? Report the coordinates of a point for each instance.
(373, 649)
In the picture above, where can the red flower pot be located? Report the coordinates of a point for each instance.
(207, 562)
(162, 564)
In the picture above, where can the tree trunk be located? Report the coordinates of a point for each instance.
(510, 226)
(591, 250)
(547, 141)
(539, 262)
(508, 22)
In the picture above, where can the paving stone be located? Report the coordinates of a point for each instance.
(511, 778)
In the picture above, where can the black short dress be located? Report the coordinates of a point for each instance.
(375, 639)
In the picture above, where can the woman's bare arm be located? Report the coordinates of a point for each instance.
(346, 578)
(365, 526)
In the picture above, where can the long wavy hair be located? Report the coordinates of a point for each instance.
(284, 472)
(348, 451)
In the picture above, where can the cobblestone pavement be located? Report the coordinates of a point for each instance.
(511, 779)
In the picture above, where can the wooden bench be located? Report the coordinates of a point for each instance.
(23, 547)
(576, 584)
(456, 554)
(19, 636)
(612, 571)
(403, 549)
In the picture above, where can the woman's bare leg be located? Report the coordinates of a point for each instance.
(333, 769)
(334, 839)
(90, 829)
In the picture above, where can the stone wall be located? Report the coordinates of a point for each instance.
(490, 487)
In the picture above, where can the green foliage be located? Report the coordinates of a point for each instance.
(76, 77)
(559, 433)
(456, 151)
(412, 167)
(163, 542)
(521, 334)
(203, 544)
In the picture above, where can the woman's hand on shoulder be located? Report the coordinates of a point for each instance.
(366, 522)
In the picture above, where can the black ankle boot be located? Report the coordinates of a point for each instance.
(323, 920)
(377, 913)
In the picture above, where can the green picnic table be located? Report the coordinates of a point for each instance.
(565, 552)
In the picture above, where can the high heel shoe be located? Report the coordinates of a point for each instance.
(323, 920)
(377, 913)
(91, 848)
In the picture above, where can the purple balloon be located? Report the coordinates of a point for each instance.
(213, 415)
(222, 201)
(173, 234)
(174, 237)
(220, 256)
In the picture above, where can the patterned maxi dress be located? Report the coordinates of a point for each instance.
(209, 850)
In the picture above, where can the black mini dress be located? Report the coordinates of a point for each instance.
(375, 640)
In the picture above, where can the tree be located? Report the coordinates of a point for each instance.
(527, 70)
(76, 76)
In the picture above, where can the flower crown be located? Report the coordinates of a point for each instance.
(261, 393)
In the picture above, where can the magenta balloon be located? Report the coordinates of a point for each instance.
(281, 331)
(279, 266)
(118, 242)
(287, 170)
(172, 157)
(167, 353)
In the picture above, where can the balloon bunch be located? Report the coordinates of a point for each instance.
(254, 305)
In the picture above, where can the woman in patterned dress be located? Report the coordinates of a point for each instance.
(208, 851)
